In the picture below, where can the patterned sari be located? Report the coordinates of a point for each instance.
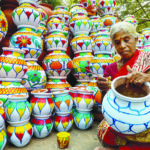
(140, 61)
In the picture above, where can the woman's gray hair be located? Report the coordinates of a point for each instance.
(125, 27)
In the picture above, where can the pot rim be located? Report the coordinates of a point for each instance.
(56, 77)
(18, 97)
(10, 79)
(126, 98)
(19, 123)
(41, 116)
(60, 92)
(14, 49)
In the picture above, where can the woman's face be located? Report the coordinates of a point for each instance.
(125, 44)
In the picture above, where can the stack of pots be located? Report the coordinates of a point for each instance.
(146, 41)
(27, 18)
(42, 106)
(58, 65)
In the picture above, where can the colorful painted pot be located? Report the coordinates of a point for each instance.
(78, 10)
(140, 41)
(125, 114)
(3, 25)
(33, 2)
(57, 64)
(42, 32)
(146, 34)
(66, 16)
(82, 43)
(97, 23)
(66, 32)
(63, 102)
(19, 133)
(63, 122)
(26, 16)
(42, 102)
(2, 115)
(96, 92)
(61, 8)
(29, 40)
(109, 20)
(131, 19)
(11, 86)
(90, 6)
(81, 66)
(80, 25)
(35, 77)
(107, 7)
(83, 120)
(57, 84)
(103, 44)
(42, 126)
(17, 108)
(3, 139)
(12, 63)
(146, 48)
(56, 41)
(55, 25)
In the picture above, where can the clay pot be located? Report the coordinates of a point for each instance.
(47, 8)
(7, 10)
(3, 139)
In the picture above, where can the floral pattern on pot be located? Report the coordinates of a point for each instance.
(27, 39)
(100, 62)
(19, 133)
(3, 139)
(122, 112)
(35, 77)
(12, 63)
(107, 7)
(26, 16)
(83, 120)
(17, 108)
(56, 41)
(66, 16)
(42, 126)
(81, 66)
(82, 43)
(2, 115)
(57, 64)
(55, 25)
(80, 25)
(63, 122)
(63, 102)
(3, 25)
(108, 21)
(41, 103)
(11, 86)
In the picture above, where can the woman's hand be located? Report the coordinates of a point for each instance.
(136, 77)
(103, 83)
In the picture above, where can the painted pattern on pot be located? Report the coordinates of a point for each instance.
(146, 33)
(55, 25)
(140, 41)
(54, 84)
(66, 32)
(63, 102)
(122, 112)
(100, 62)
(63, 123)
(57, 64)
(62, 8)
(78, 10)
(56, 41)
(41, 103)
(26, 16)
(2, 115)
(29, 40)
(19, 133)
(80, 25)
(83, 120)
(12, 63)
(42, 126)
(107, 6)
(18, 108)
(11, 86)
(3, 25)
(35, 77)
(82, 43)
(33, 2)
(131, 19)
(3, 139)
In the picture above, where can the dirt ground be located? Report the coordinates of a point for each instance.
(80, 140)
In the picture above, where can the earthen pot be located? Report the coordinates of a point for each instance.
(7, 10)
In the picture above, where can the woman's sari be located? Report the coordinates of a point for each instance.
(140, 61)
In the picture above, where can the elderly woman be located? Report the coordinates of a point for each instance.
(134, 64)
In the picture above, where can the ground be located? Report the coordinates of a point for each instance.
(80, 140)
